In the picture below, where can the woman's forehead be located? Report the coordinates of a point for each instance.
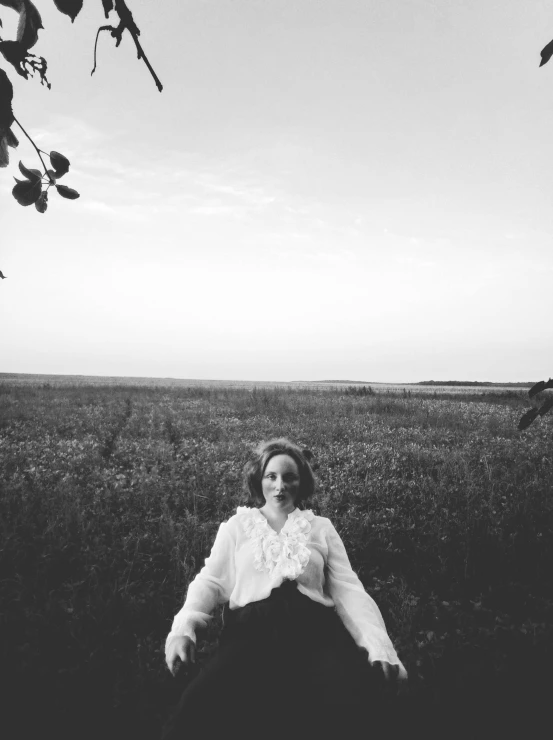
(281, 463)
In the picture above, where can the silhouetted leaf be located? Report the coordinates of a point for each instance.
(527, 418)
(546, 53)
(6, 140)
(539, 387)
(59, 163)
(30, 21)
(108, 6)
(16, 54)
(24, 62)
(26, 192)
(51, 174)
(546, 406)
(6, 97)
(42, 203)
(72, 8)
(32, 175)
(7, 137)
(29, 25)
(66, 192)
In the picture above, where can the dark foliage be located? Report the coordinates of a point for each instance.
(35, 187)
(546, 403)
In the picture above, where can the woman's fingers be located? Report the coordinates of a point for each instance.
(181, 650)
(402, 674)
(390, 671)
(173, 661)
(187, 651)
(393, 673)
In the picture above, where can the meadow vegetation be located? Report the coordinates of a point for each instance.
(111, 497)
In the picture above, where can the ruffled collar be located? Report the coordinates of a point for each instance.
(282, 555)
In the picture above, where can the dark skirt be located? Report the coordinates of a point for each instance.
(285, 667)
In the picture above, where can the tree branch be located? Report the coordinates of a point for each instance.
(102, 28)
(33, 143)
(127, 22)
(141, 55)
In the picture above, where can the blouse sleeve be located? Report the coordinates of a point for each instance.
(211, 587)
(357, 610)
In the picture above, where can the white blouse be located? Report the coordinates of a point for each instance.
(249, 559)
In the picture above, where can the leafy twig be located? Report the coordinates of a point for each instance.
(33, 143)
(126, 22)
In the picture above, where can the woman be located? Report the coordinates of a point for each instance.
(304, 649)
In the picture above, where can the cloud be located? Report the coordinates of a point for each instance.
(101, 168)
(69, 135)
(251, 194)
(414, 261)
(116, 182)
(340, 257)
(218, 210)
(97, 207)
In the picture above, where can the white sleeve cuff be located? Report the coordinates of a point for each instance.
(186, 623)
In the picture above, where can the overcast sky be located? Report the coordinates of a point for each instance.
(354, 189)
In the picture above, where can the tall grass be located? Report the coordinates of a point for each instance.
(111, 497)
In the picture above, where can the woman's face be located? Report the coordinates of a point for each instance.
(281, 483)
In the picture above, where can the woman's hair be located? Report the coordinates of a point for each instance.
(255, 467)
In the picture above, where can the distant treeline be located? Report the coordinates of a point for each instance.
(349, 382)
(471, 382)
(477, 383)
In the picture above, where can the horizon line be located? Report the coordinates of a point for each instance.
(281, 382)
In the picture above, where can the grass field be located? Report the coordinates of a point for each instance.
(112, 494)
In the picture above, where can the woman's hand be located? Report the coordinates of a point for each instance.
(180, 648)
(395, 675)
